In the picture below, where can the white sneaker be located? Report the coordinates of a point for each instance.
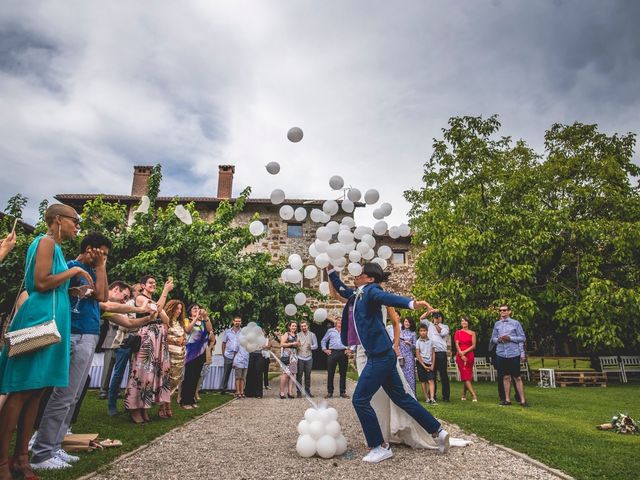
(32, 440)
(443, 441)
(378, 454)
(54, 463)
(65, 457)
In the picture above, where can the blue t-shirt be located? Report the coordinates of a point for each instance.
(87, 320)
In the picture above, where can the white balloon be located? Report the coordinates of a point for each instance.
(325, 217)
(316, 215)
(294, 276)
(277, 196)
(360, 231)
(256, 228)
(321, 245)
(285, 274)
(369, 254)
(371, 196)
(183, 214)
(341, 445)
(310, 414)
(300, 299)
(324, 416)
(386, 209)
(295, 134)
(324, 288)
(339, 263)
(394, 232)
(290, 309)
(300, 214)
(316, 428)
(378, 214)
(330, 207)
(323, 233)
(355, 269)
(363, 248)
(326, 446)
(335, 250)
(385, 252)
(310, 272)
(145, 203)
(244, 342)
(336, 182)
(333, 413)
(322, 260)
(334, 227)
(303, 427)
(252, 325)
(313, 252)
(404, 230)
(348, 221)
(380, 261)
(333, 428)
(355, 256)
(380, 228)
(295, 261)
(345, 237)
(286, 212)
(319, 316)
(306, 446)
(369, 240)
(347, 205)
(354, 194)
(273, 168)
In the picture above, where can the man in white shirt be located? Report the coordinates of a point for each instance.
(308, 343)
(438, 333)
(230, 344)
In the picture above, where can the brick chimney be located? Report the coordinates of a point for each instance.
(225, 180)
(140, 184)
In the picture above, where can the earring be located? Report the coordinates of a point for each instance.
(59, 234)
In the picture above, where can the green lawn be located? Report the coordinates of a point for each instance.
(558, 429)
(93, 419)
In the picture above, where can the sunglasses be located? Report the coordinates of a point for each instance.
(503, 309)
(76, 220)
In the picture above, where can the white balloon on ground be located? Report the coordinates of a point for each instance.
(316, 428)
(294, 276)
(369, 254)
(355, 256)
(330, 207)
(347, 205)
(300, 299)
(323, 234)
(380, 261)
(295, 261)
(321, 245)
(273, 168)
(345, 237)
(310, 272)
(335, 250)
(355, 269)
(371, 196)
(326, 446)
(322, 260)
(145, 203)
(295, 134)
(349, 222)
(310, 414)
(378, 214)
(290, 309)
(324, 288)
(306, 446)
(277, 196)
(256, 228)
(303, 427)
(286, 212)
(369, 240)
(319, 316)
(336, 182)
(385, 252)
(341, 445)
(394, 232)
(333, 413)
(316, 215)
(333, 428)
(300, 214)
(313, 252)
(380, 228)
(333, 226)
(404, 230)
(386, 209)
(354, 194)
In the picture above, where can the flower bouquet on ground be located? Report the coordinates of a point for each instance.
(620, 423)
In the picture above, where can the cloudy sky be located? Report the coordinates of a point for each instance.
(89, 89)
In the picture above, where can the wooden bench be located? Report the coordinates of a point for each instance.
(629, 363)
(612, 365)
(581, 379)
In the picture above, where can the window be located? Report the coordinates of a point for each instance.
(294, 230)
(399, 258)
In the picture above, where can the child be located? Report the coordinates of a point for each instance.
(425, 353)
(241, 364)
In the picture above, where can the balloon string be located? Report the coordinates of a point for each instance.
(286, 371)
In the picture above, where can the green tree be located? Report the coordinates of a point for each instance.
(553, 235)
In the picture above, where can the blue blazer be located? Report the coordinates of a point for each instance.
(367, 314)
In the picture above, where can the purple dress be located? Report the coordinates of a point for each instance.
(407, 346)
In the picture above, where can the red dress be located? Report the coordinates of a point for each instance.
(465, 368)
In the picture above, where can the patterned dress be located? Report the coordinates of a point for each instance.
(407, 346)
(177, 353)
(149, 380)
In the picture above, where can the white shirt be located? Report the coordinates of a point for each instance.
(425, 347)
(439, 339)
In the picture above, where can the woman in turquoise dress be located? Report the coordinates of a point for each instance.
(24, 377)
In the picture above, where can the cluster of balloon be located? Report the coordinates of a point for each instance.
(321, 434)
(252, 337)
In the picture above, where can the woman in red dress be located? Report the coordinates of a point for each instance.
(465, 345)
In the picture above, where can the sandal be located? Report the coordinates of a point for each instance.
(186, 407)
(463, 398)
(168, 412)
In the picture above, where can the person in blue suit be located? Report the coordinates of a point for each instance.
(363, 313)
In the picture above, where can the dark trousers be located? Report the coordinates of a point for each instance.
(192, 371)
(265, 371)
(381, 371)
(337, 357)
(441, 370)
(123, 355)
(228, 366)
(253, 383)
(304, 368)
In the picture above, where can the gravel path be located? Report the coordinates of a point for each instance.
(255, 439)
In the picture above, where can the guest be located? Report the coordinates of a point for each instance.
(308, 343)
(407, 346)
(253, 386)
(230, 344)
(465, 340)
(176, 341)
(266, 354)
(426, 359)
(149, 376)
(7, 244)
(25, 377)
(289, 345)
(508, 336)
(198, 329)
(438, 333)
(335, 349)
(240, 365)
